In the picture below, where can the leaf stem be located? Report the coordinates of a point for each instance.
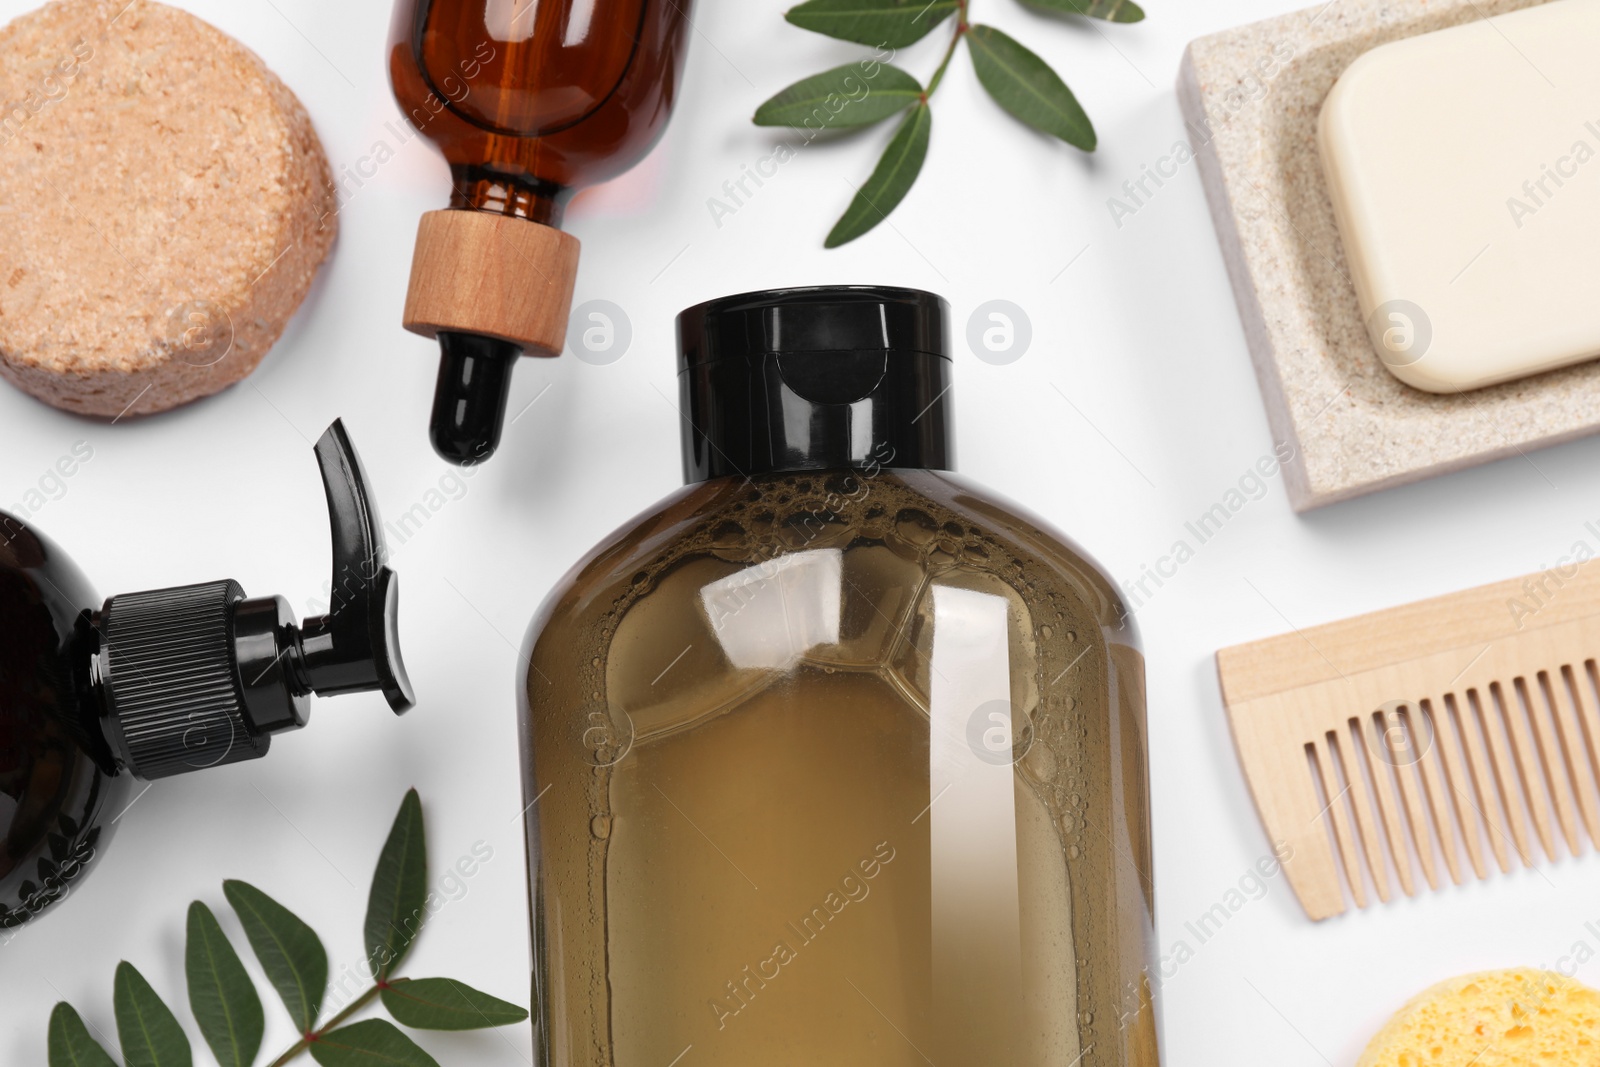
(961, 28)
(305, 1042)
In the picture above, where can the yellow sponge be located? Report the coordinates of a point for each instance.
(1516, 1018)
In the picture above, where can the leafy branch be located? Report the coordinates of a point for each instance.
(865, 93)
(228, 1009)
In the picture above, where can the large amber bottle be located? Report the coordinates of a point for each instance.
(834, 757)
(529, 100)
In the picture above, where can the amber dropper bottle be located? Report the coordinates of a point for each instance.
(529, 100)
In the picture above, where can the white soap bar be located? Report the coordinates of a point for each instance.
(1465, 172)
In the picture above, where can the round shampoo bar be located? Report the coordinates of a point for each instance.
(1464, 167)
(164, 206)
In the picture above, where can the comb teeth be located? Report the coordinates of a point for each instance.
(1416, 782)
(1422, 761)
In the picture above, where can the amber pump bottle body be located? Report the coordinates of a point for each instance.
(164, 682)
(529, 102)
(834, 757)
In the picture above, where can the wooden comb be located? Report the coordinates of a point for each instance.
(1407, 737)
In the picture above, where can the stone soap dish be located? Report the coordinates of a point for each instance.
(1251, 97)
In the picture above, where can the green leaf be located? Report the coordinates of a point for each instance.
(1024, 85)
(445, 1004)
(150, 1034)
(369, 1043)
(221, 994)
(70, 1043)
(1110, 10)
(841, 98)
(396, 906)
(880, 23)
(289, 951)
(890, 181)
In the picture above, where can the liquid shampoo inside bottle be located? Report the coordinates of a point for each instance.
(148, 685)
(833, 756)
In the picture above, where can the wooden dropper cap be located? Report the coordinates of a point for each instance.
(489, 287)
(496, 275)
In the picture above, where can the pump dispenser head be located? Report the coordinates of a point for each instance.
(199, 675)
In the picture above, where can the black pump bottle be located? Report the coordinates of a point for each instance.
(165, 682)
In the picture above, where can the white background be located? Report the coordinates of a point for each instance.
(1139, 332)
